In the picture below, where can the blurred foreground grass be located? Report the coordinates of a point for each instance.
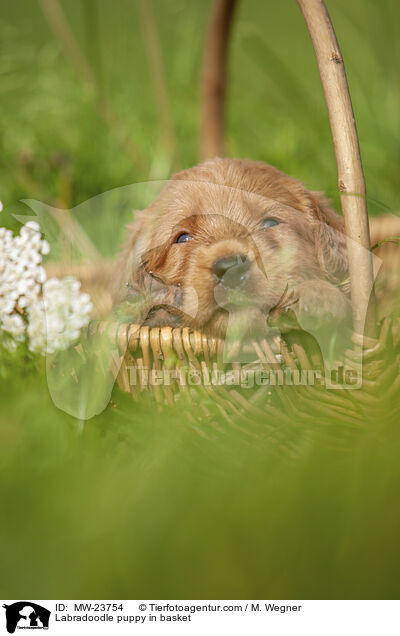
(146, 505)
(141, 504)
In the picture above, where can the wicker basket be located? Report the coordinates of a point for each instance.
(174, 364)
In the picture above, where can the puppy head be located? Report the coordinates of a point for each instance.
(228, 235)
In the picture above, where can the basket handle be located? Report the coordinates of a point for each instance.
(351, 180)
(348, 160)
(213, 79)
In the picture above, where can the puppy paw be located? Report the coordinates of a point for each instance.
(321, 305)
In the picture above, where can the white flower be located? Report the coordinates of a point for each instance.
(23, 302)
(44, 248)
(31, 225)
(15, 326)
(7, 307)
(53, 310)
(41, 275)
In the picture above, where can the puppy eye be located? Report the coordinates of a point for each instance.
(183, 238)
(270, 223)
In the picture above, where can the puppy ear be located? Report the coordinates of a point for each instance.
(129, 260)
(329, 238)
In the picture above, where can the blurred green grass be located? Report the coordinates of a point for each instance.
(142, 504)
(56, 147)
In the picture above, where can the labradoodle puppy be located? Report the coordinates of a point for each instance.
(234, 237)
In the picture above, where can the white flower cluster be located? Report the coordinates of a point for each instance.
(48, 313)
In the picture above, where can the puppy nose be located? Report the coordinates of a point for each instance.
(231, 271)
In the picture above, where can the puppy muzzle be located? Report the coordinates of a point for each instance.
(232, 272)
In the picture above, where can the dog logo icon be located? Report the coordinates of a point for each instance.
(26, 615)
